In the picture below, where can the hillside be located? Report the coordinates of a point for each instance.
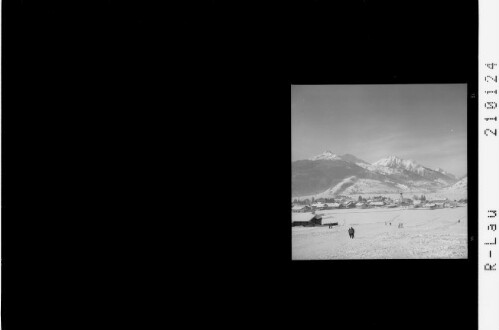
(330, 174)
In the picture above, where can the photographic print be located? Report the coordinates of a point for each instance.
(379, 171)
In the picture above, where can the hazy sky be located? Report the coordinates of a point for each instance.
(426, 123)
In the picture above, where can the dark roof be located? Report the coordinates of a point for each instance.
(304, 217)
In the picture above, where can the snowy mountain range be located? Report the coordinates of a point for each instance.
(331, 174)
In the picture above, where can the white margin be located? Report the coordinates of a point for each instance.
(488, 166)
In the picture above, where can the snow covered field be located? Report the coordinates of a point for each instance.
(426, 234)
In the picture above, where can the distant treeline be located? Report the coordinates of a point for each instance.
(313, 200)
(341, 199)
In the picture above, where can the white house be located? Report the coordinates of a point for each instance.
(300, 208)
(319, 205)
(333, 205)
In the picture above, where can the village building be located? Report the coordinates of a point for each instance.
(441, 203)
(430, 206)
(333, 205)
(378, 203)
(306, 219)
(301, 208)
(349, 204)
(343, 199)
(319, 206)
(405, 201)
(417, 203)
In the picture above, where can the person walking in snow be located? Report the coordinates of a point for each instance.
(353, 232)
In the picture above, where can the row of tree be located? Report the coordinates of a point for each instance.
(313, 200)
(360, 199)
(421, 198)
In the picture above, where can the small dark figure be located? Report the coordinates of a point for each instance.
(390, 223)
(353, 233)
(458, 221)
(350, 232)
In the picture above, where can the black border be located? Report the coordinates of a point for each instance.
(312, 41)
(71, 73)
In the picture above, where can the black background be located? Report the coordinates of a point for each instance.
(85, 91)
(70, 137)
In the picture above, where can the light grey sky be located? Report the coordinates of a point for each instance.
(426, 123)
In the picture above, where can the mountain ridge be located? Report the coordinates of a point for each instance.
(330, 173)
